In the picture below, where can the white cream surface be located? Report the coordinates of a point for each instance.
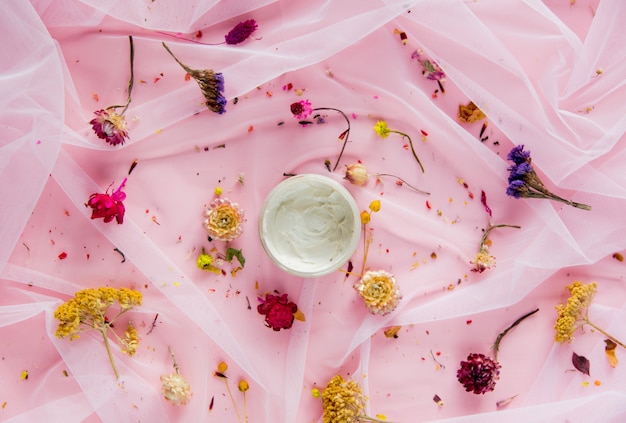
(309, 226)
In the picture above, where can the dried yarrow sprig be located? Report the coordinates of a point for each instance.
(483, 259)
(108, 206)
(430, 69)
(383, 130)
(574, 314)
(279, 312)
(303, 109)
(108, 124)
(525, 183)
(223, 219)
(174, 387)
(88, 311)
(343, 402)
(211, 83)
(240, 33)
(357, 174)
(479, 373)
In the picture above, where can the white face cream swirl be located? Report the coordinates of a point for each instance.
(309, 225)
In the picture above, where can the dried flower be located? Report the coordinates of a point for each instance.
(108, 124)
(344, 402)
(243, 385)
(379, 291)
(108, 206)
(130, 341)
(479, 373)
(211, 83)
(241, 32)
(575, 313)
(357, 174)
(205, 262)
(221, 370)
(525, 183)
(430, 69)
(375, 206)
(278, 311)
(383, 131)
(483, 260)
(470, 113)
(301, 109)
(224, 220)
(88, 309)
(365, 217)
(174, 387)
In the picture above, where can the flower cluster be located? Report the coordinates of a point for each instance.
(223, 220)
(525, 183)
(88, 309)
(174, 387)
(479, 373)
(107, 123)
(383, 130)
(241, 32)
(575, 313)
(343, 402)
(302, 109)
(279, 312)
(379, 292)
(211, 83)
(108, 206)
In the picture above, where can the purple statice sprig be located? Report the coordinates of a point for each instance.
(525, 183)
(240, 33)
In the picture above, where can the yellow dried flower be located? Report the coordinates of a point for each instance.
(222, 367)
(243, 385)
(224, 220)
(382, 129)
(375, 206)
(572, 314)
(379, 291)
(88, 310)
(343, 401)
(470, 113)
(130, 342)
(365, 217)
(175, 389)
(205, 262)
(483, 260)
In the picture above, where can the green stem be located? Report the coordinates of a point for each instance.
(182, 65)
(412, 148)
(496, 345)
(346, 132)
(405, 182)
(108, 348)
(602, 331)
(131, 81)
(543, 192)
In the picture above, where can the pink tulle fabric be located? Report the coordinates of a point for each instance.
(547, 74)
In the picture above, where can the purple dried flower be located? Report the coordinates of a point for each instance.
(519, 171)
(241, 32)
(479, 373)
(516, 188)
(517, 155)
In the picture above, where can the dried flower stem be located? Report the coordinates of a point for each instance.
(544, 193)
(411, 145)
(404, 182)
(131, 81)
(245, 410)
(496, 345)
(232, 398)
(103, 330)
(491, 228)
(182, 65)
(602, 331)
(345, 134)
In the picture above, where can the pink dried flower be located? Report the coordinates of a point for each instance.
(357, 174)
(241, 32)
(301, 109)
(224, 220)
(278, 311)
(108, 206)
(109, 126)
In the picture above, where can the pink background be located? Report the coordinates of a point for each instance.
(531, 66)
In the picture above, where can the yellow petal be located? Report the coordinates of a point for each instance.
(298, 315)
(610, 352)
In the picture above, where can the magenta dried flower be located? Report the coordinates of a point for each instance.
(278, 311)
(301, 109)
(479, 373)
(108, 206)
(241, 32)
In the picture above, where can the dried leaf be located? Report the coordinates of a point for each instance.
(506, 401)
(232, 252)
(610, 352)
(298, 315)
(392, 332)
(580, 363)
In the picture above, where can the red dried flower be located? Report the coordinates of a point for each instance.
(479, 373)
(278, 311)
(241, 32)
(108, 206)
